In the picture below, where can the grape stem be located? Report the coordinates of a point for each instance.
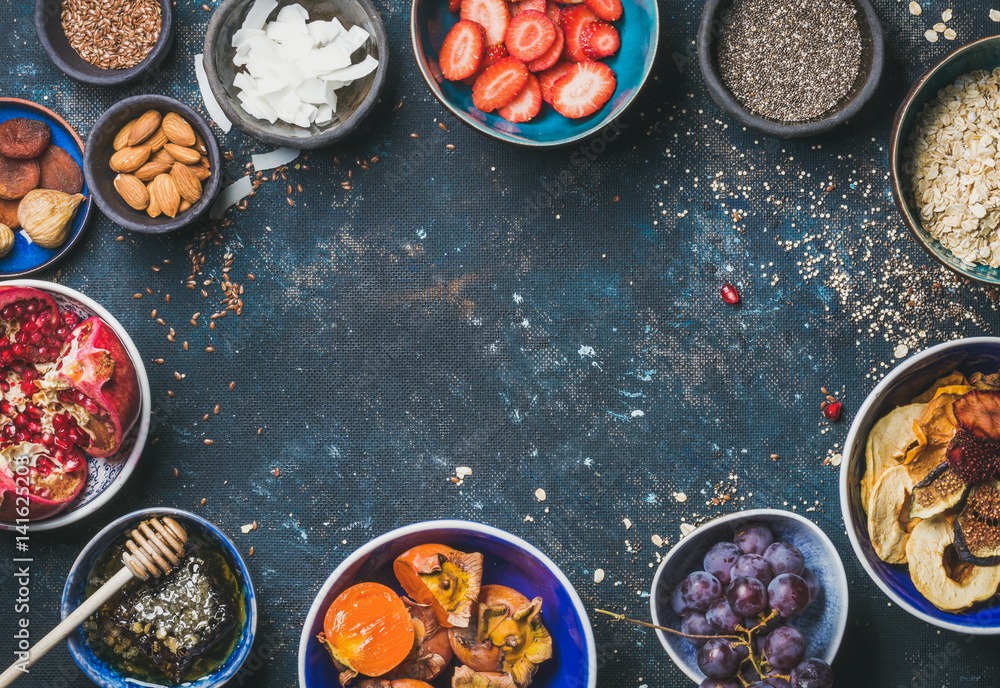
(622, 617)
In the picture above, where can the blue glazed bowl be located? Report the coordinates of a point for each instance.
(76, 584)
(639, 27)
(822, 623)
(509, 561)
(981, 54)
(899, 387)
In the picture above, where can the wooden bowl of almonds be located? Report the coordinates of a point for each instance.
(152, 164)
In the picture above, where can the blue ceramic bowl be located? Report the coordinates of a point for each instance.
(822, 623)
(899, 387)
(981, 54)
(509, 561)
(73, 594)
(27, 258)
(639, 27)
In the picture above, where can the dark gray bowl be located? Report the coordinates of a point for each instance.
(354, 102)
(48, 26)
(872, 62)
(100, 178)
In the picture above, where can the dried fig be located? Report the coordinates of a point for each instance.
(17, 177)
(24, 139)
(46, 215)
(59, 171)
(8, 213)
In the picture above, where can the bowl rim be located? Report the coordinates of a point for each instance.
(108, 77)
(896, 143)
(732, 107)
(245, 123)
(209, 190)
(88, 203)
(67, 517)
(459, 525)
(894, 376)
(65, 606)
(504, 137)
(749, 514)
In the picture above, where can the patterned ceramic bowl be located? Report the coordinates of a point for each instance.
(639, 28)
(105, 477)
(907, 380)
(822, 623)
(76, 584)
(509, 561)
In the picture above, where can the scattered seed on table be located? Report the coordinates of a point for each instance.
(121, 238)
(276, 472)
(598, 575)
(414, 135)
(136, 296)
(177, 473)
(232, 385)
(250, 553)
(170, 393)
(450, 146)
(775, 456)
(540, 495)
(205, 417)
(158, 360)
(209, 442)
(185, 345)
(203, 501)
(166, 298)
(210, 349)
(260, 430)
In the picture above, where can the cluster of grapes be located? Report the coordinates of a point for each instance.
(734, 611)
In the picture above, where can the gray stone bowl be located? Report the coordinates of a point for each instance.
(355, 101)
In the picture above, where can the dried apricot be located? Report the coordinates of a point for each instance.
(17, 177)
(24, 139)
(8, 213)
(59, 171)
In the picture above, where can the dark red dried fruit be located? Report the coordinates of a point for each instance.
(8, 213)
(972, 459)
(729, 294)
(24, 139)
(17, 177)
(978, 413)
(59, 171)
(832, 410)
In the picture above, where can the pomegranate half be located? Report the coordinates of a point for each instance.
(67, 389)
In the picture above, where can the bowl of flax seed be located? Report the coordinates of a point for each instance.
(105, 42)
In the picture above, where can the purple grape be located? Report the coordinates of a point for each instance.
(784, 648)
(699, 589)
(742, 651)
(718, 659)
(718, 683)
(719, 560)
(812, 673)
(722, 617)
(759, 684)
(678, 604)
(813, 582)
(753, 538)
(784, 558)
(777, 682)
(789, 595)
(747, 596)
(748, 673)
(695, 623)
(752, 566)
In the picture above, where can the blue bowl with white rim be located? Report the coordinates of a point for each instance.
(508, 560)
(822, 623)
(74, 593)
(638, 27)
(906, 381)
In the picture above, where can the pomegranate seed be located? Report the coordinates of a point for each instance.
(729, 294)
(44, 467)
(832, 411)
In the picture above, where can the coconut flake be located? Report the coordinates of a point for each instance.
(211, 104)
(276, 158)
(258, 14)
(230, 196)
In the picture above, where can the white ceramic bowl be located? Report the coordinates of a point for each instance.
(105, 477)
(824, 621)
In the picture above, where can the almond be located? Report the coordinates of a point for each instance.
(144, 127)
(200, 146)
(185, 205)
(164, 192)
(128, 160)
(153, 209)
(200, 172)
(121, 139)
(148, 172)
(157, 140)
(188, 185)
(132, 191)
(188, 156)
(178, 130)
(162, 156)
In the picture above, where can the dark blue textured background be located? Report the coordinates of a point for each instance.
(511, 311)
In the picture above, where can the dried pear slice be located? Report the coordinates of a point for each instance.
(951, 380)
(889, 498)
(949, 591)
(936, 425)
(887, 443)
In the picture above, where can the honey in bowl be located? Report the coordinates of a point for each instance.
(173, 629)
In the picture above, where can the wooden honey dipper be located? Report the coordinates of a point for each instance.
(155, 548)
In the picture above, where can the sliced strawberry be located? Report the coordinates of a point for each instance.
(550, 76)
(454, 6)
(499, 84)
(550, 57)
(492, 15)
(529, 35)
(525, 5)
(600, 39)
(569, 2)
(493, 54)
(462, 50)
(526, 105)
(583, 89)
(573, 20)
(552, 11)
(608, 10)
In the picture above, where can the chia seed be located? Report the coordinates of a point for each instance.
(791, 60)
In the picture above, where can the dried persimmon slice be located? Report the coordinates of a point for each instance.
(444, 578)
(59, 171)
(24, 139)
(17, 177)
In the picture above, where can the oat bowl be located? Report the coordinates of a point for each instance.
(943, 160)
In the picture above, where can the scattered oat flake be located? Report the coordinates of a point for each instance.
(463, 471)
(915, 9)
(939, 27)
(247, 528)
(836, 459)
(995, 15)
(947, 15)
(657, 540)
(950, 34)
(627, 522)
(931, 36)
(686, 529)
(680, 496)
(540, 495)
(598, 575)
(901, 351)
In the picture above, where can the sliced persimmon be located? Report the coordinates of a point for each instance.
(367, 630)
(443, 578)
(398, 683)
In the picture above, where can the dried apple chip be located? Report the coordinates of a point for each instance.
(443, 578)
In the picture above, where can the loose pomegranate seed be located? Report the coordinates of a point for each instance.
(729, 294)
(832, 411)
